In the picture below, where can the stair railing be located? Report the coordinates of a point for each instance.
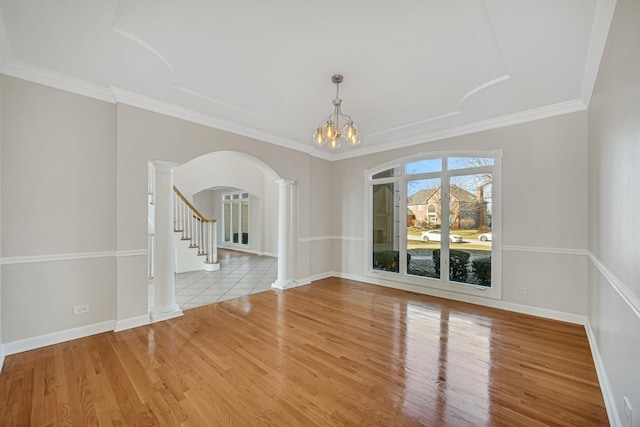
(195, 227)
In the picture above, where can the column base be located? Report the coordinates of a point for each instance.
(284, 284)
(165, 313)
(211, 266)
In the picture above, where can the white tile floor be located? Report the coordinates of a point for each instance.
(238, 276)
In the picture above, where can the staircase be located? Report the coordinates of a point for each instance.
(198, 232)
(195, 243)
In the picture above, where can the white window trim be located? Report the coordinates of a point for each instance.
(242, 196)
(495, 292)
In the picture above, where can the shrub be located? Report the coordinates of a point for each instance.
(467, 223)
(388, 260)
(458, 264)
(482, 270)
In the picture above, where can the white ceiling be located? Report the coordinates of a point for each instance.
(415, 70)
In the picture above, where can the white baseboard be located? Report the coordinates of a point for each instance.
(160, 317)
(247, 250)
(57, 337)
(283, 286)
(1, 357)
(486, 302)
(303, 282)
(321, 276)
(132, 322)
(605, 387)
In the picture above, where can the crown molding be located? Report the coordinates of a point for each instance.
(151, 104)
(63, 82)
(547, 111)
(599, 31)
(117, 95)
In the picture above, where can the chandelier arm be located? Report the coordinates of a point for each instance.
(346, 117)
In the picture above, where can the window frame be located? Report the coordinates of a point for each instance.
(426, 283)
(235, 198)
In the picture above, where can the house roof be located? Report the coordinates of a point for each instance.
(422, 196)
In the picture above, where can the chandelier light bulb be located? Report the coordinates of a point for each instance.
(318, 138)
(330, 131)
(351, 134)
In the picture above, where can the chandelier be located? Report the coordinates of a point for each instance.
(331, 133)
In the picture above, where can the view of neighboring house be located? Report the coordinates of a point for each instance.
(466, 210)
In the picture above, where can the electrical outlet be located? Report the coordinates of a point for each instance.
(81, 309)
(522, 291)
(628, 410)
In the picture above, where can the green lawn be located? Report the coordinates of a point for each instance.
(419, 244)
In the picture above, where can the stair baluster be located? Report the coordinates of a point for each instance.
(195, 227)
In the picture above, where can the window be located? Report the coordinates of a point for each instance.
(235, 218)
(446, 250)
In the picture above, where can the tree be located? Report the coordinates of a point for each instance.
(478, 184)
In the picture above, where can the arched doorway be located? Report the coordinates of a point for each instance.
(273, 231)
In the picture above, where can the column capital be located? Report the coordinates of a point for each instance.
(284, 182)
(161, 166)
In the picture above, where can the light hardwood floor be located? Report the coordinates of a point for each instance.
(335, 352)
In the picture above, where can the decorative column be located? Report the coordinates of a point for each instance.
(285, 238)
(293, 231)
(164, 285)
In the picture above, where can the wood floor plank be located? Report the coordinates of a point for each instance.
(336, 352)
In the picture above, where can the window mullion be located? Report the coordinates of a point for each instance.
(445, 212)
(403, 226)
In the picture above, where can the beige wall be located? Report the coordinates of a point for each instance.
(614, 205)
(1, 133)
(544, 194)
(143, 135)
(204, 203)
(58, 198)
(320, 218)
(74, 201)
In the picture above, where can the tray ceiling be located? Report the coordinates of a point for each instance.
(414, 70)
